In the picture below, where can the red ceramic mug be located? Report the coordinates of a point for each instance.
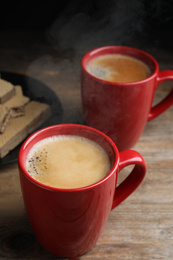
(68, 222)
(121, 110)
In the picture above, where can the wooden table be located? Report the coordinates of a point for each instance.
(142, 226)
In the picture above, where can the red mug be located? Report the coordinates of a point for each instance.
(68, 222)
(121, 110)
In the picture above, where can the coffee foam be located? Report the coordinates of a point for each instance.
(118, 68)
(54, 162)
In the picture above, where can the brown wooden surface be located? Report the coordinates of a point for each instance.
(142, 226)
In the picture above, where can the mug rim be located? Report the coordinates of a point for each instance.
(89, 54)
(32, 137)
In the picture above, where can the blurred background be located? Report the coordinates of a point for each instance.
(47, 39)
(78, 24)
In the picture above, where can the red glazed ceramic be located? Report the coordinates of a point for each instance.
(68, 222)
(121, 110)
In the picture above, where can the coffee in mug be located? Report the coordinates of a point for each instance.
(118, 100)
(67, 162)
(68, 222)
(118, 68)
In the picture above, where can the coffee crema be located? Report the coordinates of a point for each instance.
(67, 162)
(118, 68)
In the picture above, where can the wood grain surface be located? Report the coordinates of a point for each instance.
(142, 226)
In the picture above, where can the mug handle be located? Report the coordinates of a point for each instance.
(135, 177)
(167, 101)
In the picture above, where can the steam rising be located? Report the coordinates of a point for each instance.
(80, 27)
(83, 26)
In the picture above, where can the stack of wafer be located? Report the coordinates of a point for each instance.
(19, 116)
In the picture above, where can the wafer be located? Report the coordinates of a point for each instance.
(19, 128)
(5, 114)
(7, 91)
(14, 107)
(18, 100)
(17, 111)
